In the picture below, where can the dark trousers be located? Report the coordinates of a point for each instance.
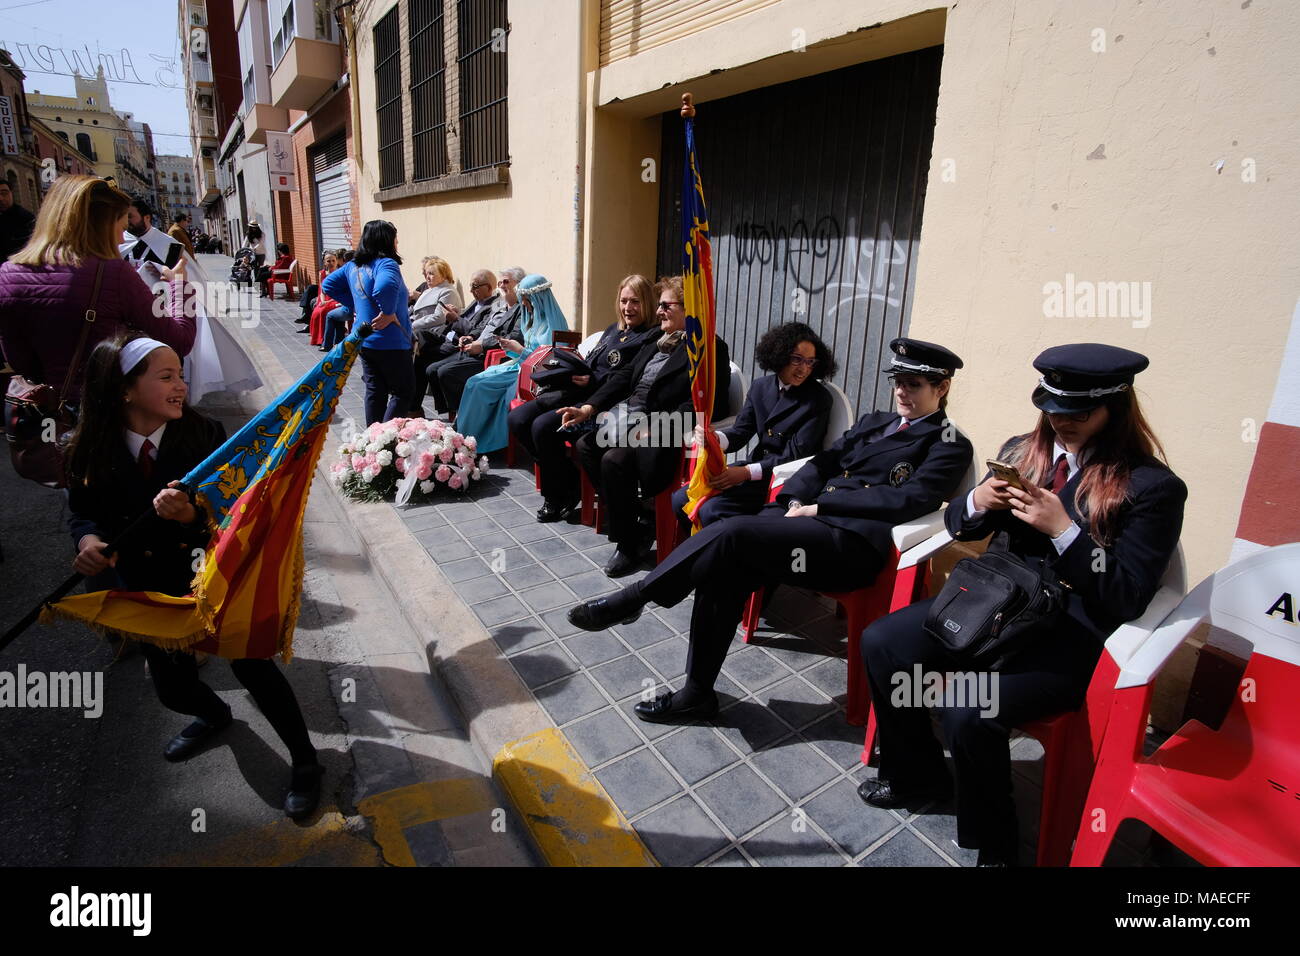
(447, 378)
(307, 301)
(433, 350)
(726, 561)
(534, 425)
(624, 477)
(1050, 676)
(390, 383)
(746, 498)
(175, 677)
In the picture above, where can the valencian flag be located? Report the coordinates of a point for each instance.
(697, 284)
(254, 489)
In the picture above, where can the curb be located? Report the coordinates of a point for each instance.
(569, 817)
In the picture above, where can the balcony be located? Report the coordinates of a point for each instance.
(262, 117)
(205, 128)
(305, 72)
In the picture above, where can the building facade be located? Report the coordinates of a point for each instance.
(118, 145)
(176, 189)
(58, 157)
(19, 158)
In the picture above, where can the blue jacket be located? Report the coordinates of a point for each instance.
(383, 281)
(789, 424)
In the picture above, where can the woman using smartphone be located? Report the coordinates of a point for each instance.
(1099, 510)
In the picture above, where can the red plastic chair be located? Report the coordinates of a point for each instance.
(283, 277)
(1225, 797)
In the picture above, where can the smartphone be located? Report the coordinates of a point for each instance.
(1007, 473)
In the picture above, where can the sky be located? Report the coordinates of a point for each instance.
(79, 30)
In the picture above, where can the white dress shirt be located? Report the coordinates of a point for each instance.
(135, 441)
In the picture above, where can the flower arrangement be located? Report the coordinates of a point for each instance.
(373, 464)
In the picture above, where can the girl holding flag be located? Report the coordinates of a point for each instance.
(137, 437)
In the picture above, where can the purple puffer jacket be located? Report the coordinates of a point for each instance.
(42, 309)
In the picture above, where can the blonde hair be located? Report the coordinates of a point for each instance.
(439, 263)
(78, 220)
(674, 285)
(643, 290)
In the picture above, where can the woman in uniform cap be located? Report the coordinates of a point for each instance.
(1100, 512)
(828, 530)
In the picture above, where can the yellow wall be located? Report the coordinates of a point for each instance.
(531, 221)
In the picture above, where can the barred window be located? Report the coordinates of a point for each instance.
(428, 89)
(388, 87)
(482, 62)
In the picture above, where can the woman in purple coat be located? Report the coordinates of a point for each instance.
(47, 286)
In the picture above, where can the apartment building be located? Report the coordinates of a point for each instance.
(19, 157)
(176, 189)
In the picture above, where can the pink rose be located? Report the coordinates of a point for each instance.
(457, 440)
(424, 472)
(454, 482)
(443, 473)
(446, 455)
(426, 459)
(400, 464)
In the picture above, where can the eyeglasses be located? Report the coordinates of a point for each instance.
(798, 361)
(909, 384)
(665, 306)
(1076, 417)
(480, 285)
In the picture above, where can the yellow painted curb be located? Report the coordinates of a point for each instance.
(392, 811)
(571, 818)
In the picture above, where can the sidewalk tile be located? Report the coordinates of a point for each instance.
(547, 596)
(644, 631)
(623, 677)
(696, 752)
(590, 584)
(543, 664)
(520, 635)
(903, 849)
(795, 768)
(570, 698)
(754, 669)
(595, 647)
(851, 823)
(499, 610)
(637, 782)
(740, 799)
(478, 590)
(466, 568)
(681, 834)
(786, 843)
(602, 737)
(750, 726)
(795, 702)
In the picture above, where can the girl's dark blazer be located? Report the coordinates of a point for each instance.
(790, 425)
(161, 557)
(1110, 584)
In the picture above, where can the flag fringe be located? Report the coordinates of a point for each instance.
(52, 613)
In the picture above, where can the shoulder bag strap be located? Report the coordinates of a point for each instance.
(85, 331)
(361, 284)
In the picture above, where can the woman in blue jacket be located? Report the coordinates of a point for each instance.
(371, 286)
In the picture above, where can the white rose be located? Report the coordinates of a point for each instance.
(403, 449)
(426, 487)
(385, 458)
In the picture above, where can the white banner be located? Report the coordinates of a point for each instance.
(279, 161)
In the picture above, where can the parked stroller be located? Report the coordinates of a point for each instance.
(242, 270)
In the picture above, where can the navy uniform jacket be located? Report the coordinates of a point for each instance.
(671, 391)
(1108, 585)
(867, 486)
(790, 425)
(618, 348)
(160, 558)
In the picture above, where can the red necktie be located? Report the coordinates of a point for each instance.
(1060, 475)
(145, 460)
(903, 427)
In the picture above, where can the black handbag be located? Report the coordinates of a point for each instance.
(556, 371)
(991, 607)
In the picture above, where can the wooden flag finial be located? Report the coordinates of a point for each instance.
(688, 107)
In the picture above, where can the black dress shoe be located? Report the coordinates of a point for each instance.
(667, 709)
(599, 613)
(303, 331)
(188, 742)
(1000, 859)
(552, 512)
(304, 791)
(888, 796)
(624, 563)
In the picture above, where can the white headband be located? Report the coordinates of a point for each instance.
(137, 349)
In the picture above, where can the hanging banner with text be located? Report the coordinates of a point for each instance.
(8, 128)
(279, 161)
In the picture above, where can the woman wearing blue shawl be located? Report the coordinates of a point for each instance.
(486, 402)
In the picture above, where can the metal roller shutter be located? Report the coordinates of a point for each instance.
(629, 26)
(815, 190)
(333, 194)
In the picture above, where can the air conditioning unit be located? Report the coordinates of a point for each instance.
(208, 151)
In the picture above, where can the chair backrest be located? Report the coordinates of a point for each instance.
(589, 343)
(841, 418)
(736, 391)
(571, 339)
